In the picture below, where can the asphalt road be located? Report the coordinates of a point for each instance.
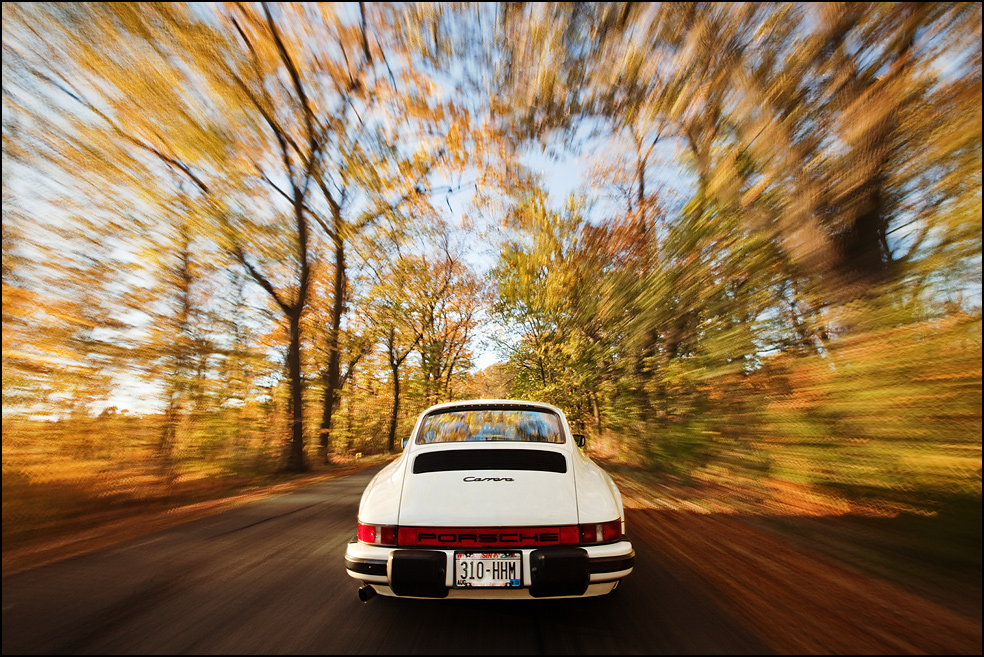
(268, 577)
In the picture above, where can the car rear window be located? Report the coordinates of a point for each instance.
(491, 425)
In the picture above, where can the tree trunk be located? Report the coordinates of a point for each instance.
(295, 457)
(595, 411)
(165, 444)
(332, 377)
(349, 423)
(394, 415)
(328, 404)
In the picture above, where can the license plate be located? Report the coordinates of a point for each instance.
(479, 569)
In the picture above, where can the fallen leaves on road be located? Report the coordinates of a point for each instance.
(797, 601)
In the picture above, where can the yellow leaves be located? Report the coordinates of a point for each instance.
(19, 307)
(755, 191)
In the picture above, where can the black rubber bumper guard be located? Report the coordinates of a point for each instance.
(555, 571)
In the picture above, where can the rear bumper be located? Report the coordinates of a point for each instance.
(555, 572)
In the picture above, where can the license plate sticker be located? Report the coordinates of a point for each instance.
(488, 569)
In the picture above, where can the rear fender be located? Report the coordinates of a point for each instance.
(598, 499)
(380, 504)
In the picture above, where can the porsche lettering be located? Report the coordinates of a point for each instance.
(471, 479)
(460, 539)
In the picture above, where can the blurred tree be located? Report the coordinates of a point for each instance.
(368, 167)
(827, 117)
(448, 305)
(539, 284)
(793, 200)
(287, 109)
(397, 323)
(834, 157)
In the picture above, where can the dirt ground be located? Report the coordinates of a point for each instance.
(104, 530)
(794, 597)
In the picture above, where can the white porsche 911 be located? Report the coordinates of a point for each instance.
(490, 499)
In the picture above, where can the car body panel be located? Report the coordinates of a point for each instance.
(598, 499)
(380, 503)
(488, 498)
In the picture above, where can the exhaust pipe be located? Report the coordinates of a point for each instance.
(366, 593)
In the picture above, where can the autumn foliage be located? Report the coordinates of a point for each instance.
(243, 238)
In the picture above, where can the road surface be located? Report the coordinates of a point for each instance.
(268, 577)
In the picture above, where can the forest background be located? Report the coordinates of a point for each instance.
(245, 239)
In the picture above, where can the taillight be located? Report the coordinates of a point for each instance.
(600, 532)
(378, 534)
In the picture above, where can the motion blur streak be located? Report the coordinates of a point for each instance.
(242, 239)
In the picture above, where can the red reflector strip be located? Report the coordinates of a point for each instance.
(487, 536)
(611, 531)
(387, 535)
